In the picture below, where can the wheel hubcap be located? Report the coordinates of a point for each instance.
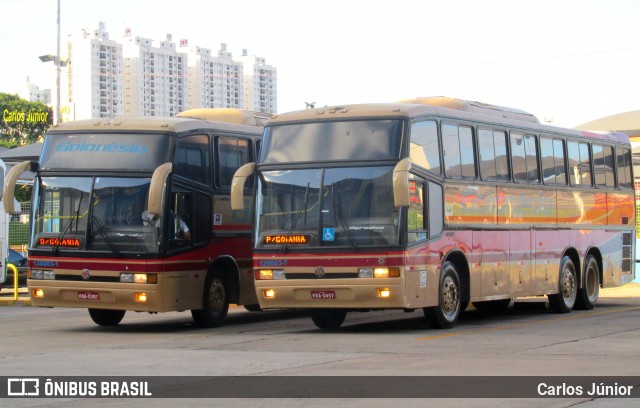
(216, 296)
(450, 296)
(568, 287)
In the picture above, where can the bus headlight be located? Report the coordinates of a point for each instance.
(42, 274)
(270, 274)
(138, 278)
(378, 273)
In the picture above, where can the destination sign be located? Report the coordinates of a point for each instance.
(297, 239)
(64, 242)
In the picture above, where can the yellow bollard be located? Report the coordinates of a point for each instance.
(15, 280)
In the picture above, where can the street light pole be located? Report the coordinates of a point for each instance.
(57, 62)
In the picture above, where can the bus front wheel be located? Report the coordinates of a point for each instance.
(215, 303)
(564, 300)
(445, 315)
(106, 317)
(328, 318)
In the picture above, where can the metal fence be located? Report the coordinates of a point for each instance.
(19, 228)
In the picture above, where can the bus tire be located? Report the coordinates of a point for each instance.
(446, 314)
(492, 306)
(215, 303)
(106, 317)
(590, 291)
(565, 299)
(328, 318)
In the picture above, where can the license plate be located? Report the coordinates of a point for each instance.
(88, 296)
(323, 294)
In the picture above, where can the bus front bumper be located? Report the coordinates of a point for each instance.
(98, 295)
(310, 294)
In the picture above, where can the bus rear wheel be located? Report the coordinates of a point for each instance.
(106, 317)
(590, 291)
(328, 318)
(446, 314)
(215, 303)
(565, 299)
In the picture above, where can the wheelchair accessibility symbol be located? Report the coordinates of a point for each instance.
(328, 234)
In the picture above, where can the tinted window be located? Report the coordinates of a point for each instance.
(425, 148)
(99, 151)
(552, 155)
(579, 164)
(232, 153)
(192, 158)
(493, 154)
(417, 222)
(603, 165)
(457, 143)
(349, 140)
(624, 168)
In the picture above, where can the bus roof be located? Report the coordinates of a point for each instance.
(155, 124)
(447, 110)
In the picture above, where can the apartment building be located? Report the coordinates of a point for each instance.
(260, 84)
(154, 77)
(143, 77)
(33, 93)
(92, 82)
(214, 80)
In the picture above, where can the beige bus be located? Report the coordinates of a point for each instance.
(134, 214)
(434, 203)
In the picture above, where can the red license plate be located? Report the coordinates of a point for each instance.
(88, 296)
(323, 294)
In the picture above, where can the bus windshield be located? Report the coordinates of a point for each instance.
(328, 141)
(94, 214)
(329, 207)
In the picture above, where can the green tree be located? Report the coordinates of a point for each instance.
(22, 122)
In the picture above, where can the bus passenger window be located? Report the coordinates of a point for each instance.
(417, 223)
(192, 158)
(579, 164)
(624, 168)
(232, 153)
(425, 148)
(552, 154)
(458, 149)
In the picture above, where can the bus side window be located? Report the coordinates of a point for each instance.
(425, 147)
(232, 153)
(416, 220)
(459, 157)
(579, 164)
(181, 221)
(624, 168)
(436, 208)
(603, 165)
(192, 158)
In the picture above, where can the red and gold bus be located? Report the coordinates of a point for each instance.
(134, 214)
(434, 203)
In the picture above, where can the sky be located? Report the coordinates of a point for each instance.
(567, 62)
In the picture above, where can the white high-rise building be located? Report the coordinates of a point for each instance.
(214, 81)
(92, 84)
(154, 77)
(33, 93)
(260, 84)
(142, 77)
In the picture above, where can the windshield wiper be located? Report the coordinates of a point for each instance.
(301, 210)
(67, 227)
(103, 234)
(340, 216)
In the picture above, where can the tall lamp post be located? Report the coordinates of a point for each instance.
(58, 64)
